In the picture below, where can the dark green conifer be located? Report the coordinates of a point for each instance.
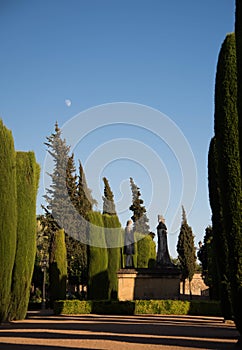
(28, 172)
(139, 212)
(220, 245)
(108, 201)
(8, 217)
(186, 251)
(227, 143)
(57, 266)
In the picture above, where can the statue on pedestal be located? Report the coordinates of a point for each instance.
(129, 249)
(163, 257)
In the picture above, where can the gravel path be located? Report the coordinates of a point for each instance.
(48, 332)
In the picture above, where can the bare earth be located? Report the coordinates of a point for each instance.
(48, 332)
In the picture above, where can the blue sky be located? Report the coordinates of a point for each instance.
(158, 53)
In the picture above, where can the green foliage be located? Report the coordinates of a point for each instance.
(164, 307)
(227, 144)
(139, 212)
(72, 307)
(146, 251)
(8, 217)
(208, 261)
(220, 246)
(58, 266)
(108, 201)
(138, 307)
(205, 308)
(186, 250)
(97, 258)
(27, 173)
(113, 242)
(238, 36)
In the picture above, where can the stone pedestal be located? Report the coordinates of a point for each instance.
(157, 283)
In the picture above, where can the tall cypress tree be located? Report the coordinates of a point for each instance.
(8, 217)
(186, 251)
(57, 266)
(139, 212)
(28, 172)
(227, 141)
(108, 201)
(220, 246)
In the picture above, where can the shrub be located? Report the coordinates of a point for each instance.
(205, 308)
(113, 307)
(72, 307)
(164, 307)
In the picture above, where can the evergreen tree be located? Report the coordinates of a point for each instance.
(113, 235)
(227, 143)
(209, 264)
(238, 243)
(8, 217)
(186, 251)
(27, 184)
(108, 201)
(57, 197)
(57, 266)
(97, 258)
(220, 245)
(139, 212)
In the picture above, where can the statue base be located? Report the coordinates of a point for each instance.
(141, 283)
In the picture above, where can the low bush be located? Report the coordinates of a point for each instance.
(72, 307)
(164, 307)
(161, 307)
(113, 307)
(205, 308)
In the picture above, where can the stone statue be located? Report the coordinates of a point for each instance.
(129, 244)
(163, 257)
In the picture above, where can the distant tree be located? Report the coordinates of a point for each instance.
(8, 217)
(108, 201)
(28, 172)
(139, 212)
(186, 251)
(209, 264)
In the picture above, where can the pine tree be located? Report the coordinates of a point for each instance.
(139, 212)
(220, 246)
(108, 201)
(8, 217)
(186, 251)
(57, 197)
(227, 143)
(28, 172)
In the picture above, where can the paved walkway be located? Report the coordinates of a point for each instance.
(43, 332)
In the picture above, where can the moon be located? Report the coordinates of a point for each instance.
(68, 102)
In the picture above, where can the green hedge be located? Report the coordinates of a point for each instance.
(136, 307)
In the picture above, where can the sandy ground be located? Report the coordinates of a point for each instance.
(48, 332)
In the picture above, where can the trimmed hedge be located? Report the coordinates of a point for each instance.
(136, 307)
(27, 176)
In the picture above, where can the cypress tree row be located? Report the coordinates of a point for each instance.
(227, 143)
(8, 217)
(97, 258)
(186, 251)
(28, 172)
(112, 228)
(57, 266)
